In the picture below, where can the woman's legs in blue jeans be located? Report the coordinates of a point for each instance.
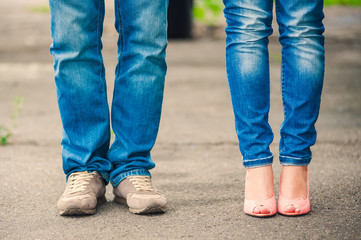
(249, 25)
(302, 73)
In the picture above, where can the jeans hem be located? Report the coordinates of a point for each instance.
(105, 176)
(295, 161)
(260, 162)
(124, 175)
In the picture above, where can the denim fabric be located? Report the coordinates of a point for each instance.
(76, 28)
(302, 71)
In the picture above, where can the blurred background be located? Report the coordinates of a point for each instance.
(198, 162)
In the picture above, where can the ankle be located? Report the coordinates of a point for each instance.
(293, 183)
(259, 183)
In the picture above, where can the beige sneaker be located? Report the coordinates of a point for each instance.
(140, 196)
(83, 192)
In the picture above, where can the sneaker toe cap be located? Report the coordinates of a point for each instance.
(76, 202)
(139, 201)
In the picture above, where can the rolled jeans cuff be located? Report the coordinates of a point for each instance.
(122, 176)
(295, 161)
(258, 162)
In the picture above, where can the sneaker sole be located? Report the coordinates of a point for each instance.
(146, 210)
(79, 211)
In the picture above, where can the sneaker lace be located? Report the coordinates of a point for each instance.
(79, 181)
(141, 183)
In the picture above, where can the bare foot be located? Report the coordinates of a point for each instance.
(294, 182)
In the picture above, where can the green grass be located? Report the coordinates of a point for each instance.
(207, 11)
(343, 2)
(6, 133)
(40, 9)
(275, 57)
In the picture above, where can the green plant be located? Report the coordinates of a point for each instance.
(6, 133)
(343, 2)
(40, 9)
(208, 11)
(17, 106)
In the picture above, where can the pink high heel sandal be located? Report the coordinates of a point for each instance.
(267, 207)
(300, 206)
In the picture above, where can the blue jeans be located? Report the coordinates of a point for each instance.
(76, 28)
(302, 72)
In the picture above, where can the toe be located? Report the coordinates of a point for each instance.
(264, 210)
(256, 210)
(261, 210)
(290, 209)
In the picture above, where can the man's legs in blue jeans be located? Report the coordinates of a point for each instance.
(81, 89)
(137, 101)
(249, 25)
(80, 81)
(139, 84)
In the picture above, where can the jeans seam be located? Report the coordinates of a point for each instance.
(283, 96)
(277, 15)
(282, 68)
(102, 73)
(121, 33)
(282, 63)
(257, 159)
(258, 162)
(282, 76)
(105, 175)
(296, 158)
(259, 165)
(284, 160)
(99, 38)
(283, 85)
